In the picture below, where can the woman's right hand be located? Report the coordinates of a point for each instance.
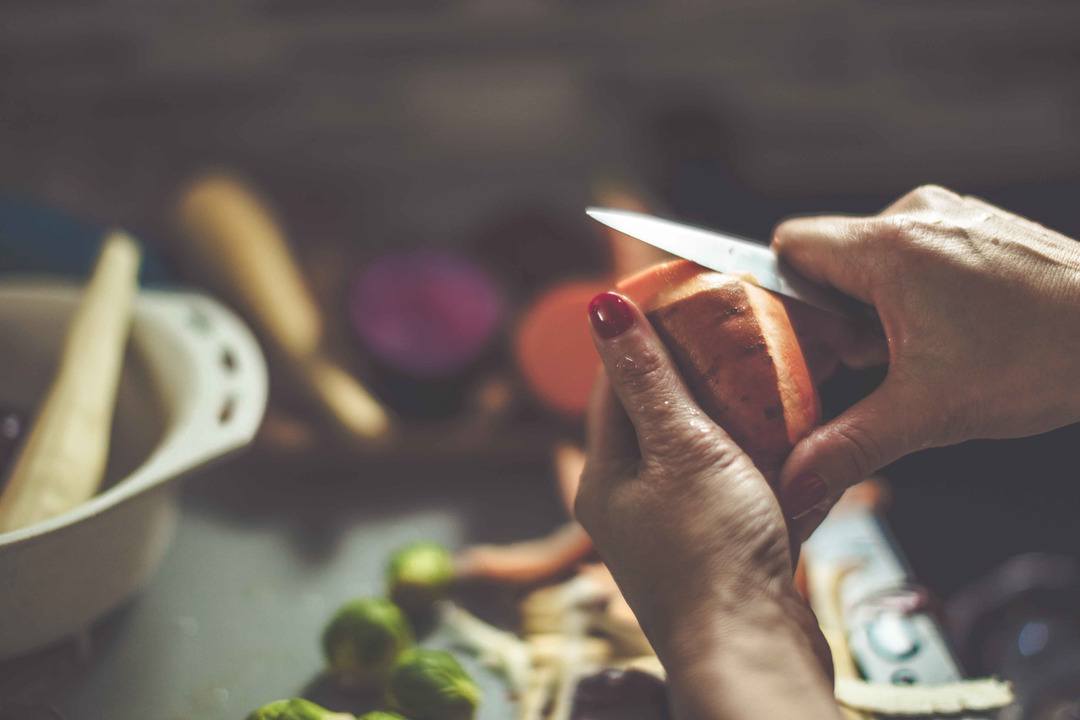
(981, 317)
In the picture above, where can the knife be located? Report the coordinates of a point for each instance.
(723, 252)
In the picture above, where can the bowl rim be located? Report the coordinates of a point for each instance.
(178, 451)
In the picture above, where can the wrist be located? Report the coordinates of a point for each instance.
(719, 629)
(764, 658)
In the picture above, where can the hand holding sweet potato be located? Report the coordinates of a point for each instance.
(688, 524)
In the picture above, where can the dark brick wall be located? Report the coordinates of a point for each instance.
(373, 121)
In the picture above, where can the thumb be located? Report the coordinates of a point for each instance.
(874, 432)
(643, 375)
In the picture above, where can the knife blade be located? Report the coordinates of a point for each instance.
(723, 252)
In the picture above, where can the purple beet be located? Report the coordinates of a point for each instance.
(426, 314)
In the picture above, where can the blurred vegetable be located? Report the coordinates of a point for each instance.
(432, 685)
(554, 349)
(620, 695)
(296, 709)
(363, 641)
(381, 715)
(571, 664)
(234, 244)
(552, 649)
(537, 697)
(430, 321)
(545, 610)
(620, 625)
(497, 649)
(528, 561)
(419, 575)
(425, 313)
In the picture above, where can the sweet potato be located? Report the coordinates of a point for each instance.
(738, 353)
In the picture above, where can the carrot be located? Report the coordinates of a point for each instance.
(528, 561)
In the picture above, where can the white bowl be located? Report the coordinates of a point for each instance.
(193, 389)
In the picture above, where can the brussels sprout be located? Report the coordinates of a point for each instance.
(363, 640)
(432, 685)
(419, 575)
(296, 709)
(380, 715)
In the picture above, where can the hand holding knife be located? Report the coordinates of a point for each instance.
(723, 252)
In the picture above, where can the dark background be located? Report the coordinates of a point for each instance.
(379, 123)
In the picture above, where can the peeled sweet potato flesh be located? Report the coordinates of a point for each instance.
(736, 349)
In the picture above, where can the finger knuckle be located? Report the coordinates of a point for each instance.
(910, 239)
(931, 195)
(925, 240)
(682, 434)
(898, 231)
(643, 372)
(872, 234)
(728, 459)
(695, 454)
(675, 454)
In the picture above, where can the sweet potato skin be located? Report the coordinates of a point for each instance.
(736, 349)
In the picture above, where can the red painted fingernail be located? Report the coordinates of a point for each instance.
(805, 494)
(610, 315)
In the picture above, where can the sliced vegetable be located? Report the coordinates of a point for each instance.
(554, 348)
(425, 313)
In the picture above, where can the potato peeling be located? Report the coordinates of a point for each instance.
(918, 700)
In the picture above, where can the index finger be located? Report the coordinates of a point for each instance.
(833, 250)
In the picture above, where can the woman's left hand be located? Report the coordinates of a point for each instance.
(693, 535)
